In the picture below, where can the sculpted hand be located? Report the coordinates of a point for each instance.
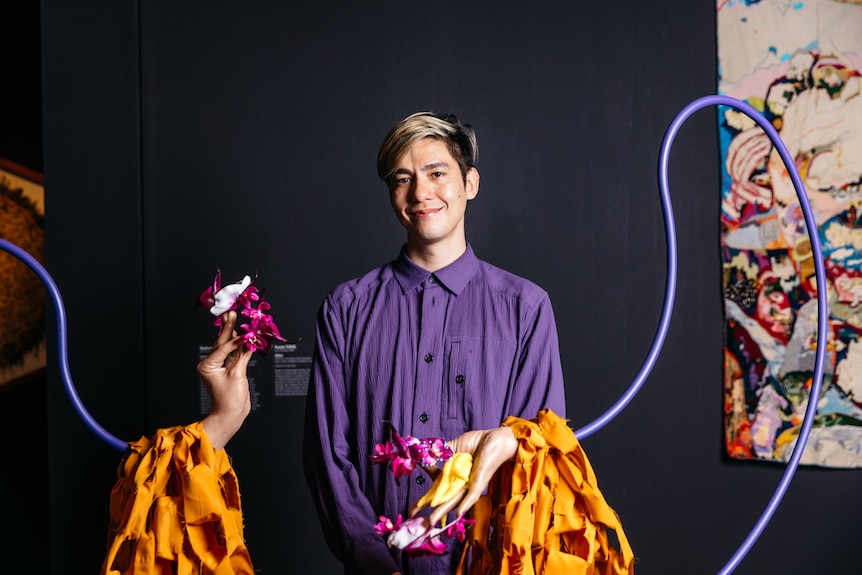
(490, 448)
(223, 372)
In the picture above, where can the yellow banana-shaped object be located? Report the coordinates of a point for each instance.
(453, 477)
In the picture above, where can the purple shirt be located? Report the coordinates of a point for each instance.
(436, 354)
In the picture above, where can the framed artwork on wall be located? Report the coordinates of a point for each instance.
(799, 64)
(23, 299)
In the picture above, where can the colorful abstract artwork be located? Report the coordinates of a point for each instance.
(799, 63)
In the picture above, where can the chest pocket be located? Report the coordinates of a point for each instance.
(477, 378)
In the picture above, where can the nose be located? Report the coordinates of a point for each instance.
(421, 189)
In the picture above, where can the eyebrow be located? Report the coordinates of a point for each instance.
(434, 166)
(425, 168)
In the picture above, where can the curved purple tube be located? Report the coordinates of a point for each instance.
(822, 304)
(822, 311)
(62, 347)
(661, 334)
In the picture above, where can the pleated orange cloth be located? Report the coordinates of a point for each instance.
(175, 509)
(544, 513)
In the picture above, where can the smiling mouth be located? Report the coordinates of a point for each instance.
(424, 213)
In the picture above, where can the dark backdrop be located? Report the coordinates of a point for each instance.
(23, 417)
(180, 137)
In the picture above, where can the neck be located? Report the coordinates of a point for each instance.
(434, 257)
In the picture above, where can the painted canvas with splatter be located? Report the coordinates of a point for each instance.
(798, 62)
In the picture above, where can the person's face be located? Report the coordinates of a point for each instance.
(429, 194)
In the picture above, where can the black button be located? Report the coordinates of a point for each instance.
(420, 480)
(423, 418)
(459, 379)
(432, 280)
(428, 358)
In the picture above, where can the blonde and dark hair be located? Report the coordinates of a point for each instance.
(459, 138)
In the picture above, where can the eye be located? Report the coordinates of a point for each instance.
(437, 174)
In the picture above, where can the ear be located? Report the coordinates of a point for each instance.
(471, 184)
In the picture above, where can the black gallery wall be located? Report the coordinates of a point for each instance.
(183, 137)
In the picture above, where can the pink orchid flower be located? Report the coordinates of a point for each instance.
(429, 451)
(397, 452)
(261, 332)
(249, 295)
(414, 535)
(405, 453)
(458, 528)
(257, 313)
(386, 525)
(207, 298)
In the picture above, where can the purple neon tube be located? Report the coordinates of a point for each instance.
(670, 291)
(62, 344)
(661, 333)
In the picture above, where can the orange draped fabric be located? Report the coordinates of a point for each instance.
(544, 514)
(175, 509)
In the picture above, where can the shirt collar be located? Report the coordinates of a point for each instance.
(453, 277)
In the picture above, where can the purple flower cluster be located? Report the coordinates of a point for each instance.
(243, 296)
(405, 453)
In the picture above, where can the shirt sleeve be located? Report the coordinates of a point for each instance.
(538, 380)
(345, 514)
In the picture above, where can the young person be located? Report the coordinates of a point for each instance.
(435, 343)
